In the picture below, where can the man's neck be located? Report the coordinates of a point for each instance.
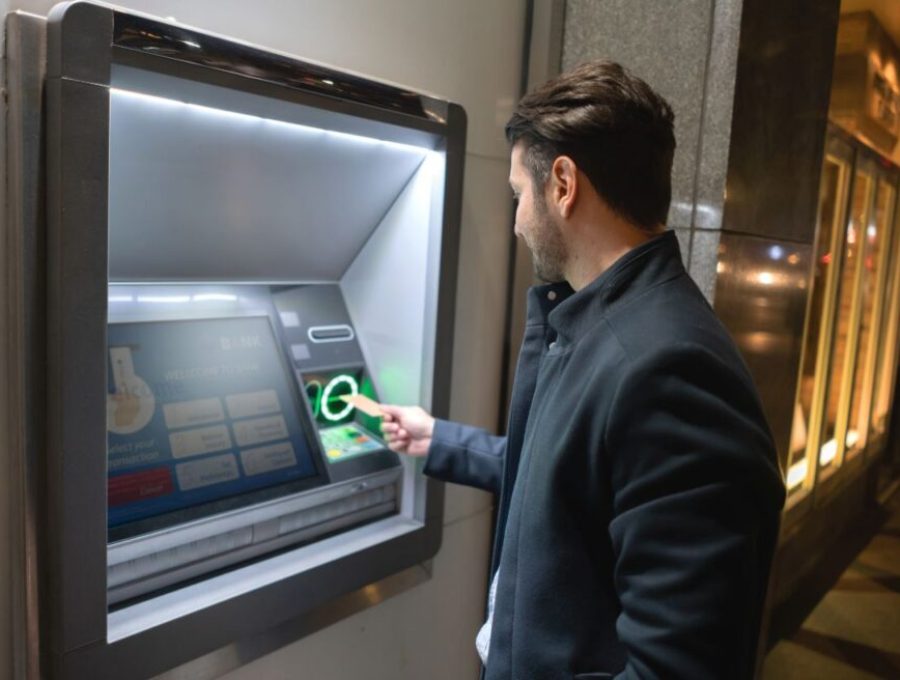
(596, 247)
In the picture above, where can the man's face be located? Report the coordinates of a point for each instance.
(534, 223)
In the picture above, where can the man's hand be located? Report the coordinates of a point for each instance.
(407, 429)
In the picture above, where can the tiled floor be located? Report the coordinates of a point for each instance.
(854, 632)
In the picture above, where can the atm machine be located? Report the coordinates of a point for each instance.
(214, 246)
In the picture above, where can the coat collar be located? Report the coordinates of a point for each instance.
(542, 300)
(570, 314)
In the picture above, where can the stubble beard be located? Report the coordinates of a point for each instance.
(548, 250)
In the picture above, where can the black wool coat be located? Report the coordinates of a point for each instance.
(639, 491)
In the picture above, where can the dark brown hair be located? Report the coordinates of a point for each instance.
(615, 128)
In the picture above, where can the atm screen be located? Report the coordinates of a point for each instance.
(202, 416)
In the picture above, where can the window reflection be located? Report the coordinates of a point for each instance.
(887, 346)
(870, 284)
(832, 199)
(840, 371)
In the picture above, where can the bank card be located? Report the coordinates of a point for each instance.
(368, 406)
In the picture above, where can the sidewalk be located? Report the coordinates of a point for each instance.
(854, 632)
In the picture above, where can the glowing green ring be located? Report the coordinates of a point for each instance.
(317, 400)
(326, 395)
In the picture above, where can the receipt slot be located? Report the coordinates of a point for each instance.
(236, 242)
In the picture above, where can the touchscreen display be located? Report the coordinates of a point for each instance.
(198, 411)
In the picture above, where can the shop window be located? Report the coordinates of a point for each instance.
(871, 287)
(886, 365)
(840, 373)
(832, 208)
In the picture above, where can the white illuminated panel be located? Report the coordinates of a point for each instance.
(214, 297)
(290, 319)
(267, 458)
(797, 473)
(253, 403)
(828, 452)
(164, 299)
(259, 430)
(240, 118)
(206, 472)
(199, 441)
(191, 185)
(194, 412)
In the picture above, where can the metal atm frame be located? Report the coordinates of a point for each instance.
(57, 261)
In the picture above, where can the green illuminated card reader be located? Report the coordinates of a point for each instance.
(350, 441)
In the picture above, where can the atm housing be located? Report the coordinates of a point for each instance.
(234, 238)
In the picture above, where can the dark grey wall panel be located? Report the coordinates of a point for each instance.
(780, 114)
(761, 297)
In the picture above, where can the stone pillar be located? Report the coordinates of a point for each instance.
(687, 51)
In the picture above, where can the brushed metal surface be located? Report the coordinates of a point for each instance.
(143, 34)
(76, 367)
(24, 358)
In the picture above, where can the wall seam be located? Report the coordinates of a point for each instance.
(703, 109)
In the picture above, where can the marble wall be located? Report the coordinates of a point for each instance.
(687, 51)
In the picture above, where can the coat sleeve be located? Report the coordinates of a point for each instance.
(466, 455)
(697, 495)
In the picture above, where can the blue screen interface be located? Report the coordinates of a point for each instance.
(198, 411)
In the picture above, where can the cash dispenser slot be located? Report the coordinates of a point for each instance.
(152, 562)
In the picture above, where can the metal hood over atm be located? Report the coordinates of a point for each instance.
(182, 187)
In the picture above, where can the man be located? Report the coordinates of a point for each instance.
(638, 486)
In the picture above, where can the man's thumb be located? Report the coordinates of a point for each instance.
(393, 412)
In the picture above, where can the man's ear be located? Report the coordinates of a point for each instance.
(563, 185)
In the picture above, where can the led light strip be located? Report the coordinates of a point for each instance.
(246, 117)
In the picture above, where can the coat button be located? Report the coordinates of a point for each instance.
(552, 345)
(551, 295)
